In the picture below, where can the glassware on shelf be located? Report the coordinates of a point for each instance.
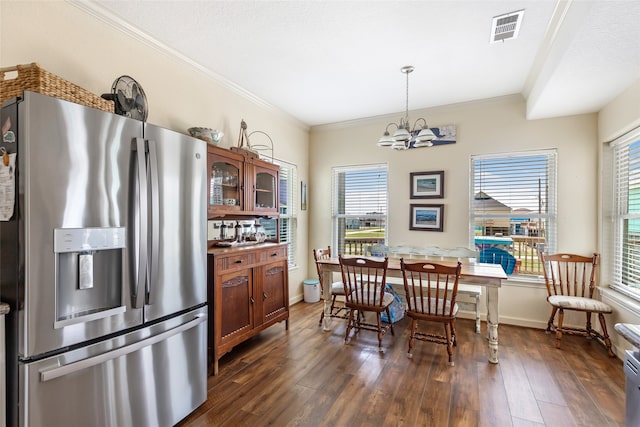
(260, 233)
(238, 232)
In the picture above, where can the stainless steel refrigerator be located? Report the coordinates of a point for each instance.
(103, 263)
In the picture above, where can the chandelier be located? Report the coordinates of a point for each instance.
(406, 136)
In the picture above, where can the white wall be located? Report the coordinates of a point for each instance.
(490, 126)
(619, 117)
(77, 46)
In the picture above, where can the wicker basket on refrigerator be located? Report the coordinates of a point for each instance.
(36, 79)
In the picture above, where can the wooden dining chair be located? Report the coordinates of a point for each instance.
(364, 282)
(431, 291)
(571, 282)
(337, 288)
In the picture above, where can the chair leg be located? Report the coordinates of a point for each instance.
(321, 316)
(359, 319)
(349, 326)
(333, 304)
(453, 333)
(605, 334)
(390, 322)
(559, 328)
(551, 319)
(589, 329)
(412, 337)
(379, 322)
(448, 328)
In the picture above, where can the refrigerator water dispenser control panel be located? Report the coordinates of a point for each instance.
(88, 239)
(89, 266)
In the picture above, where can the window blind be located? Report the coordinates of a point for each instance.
(288, 202)
(626, 236)
(514, 196)
(359, 207)
(289, 209)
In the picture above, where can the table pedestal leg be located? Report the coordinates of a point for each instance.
(492, 323)
(326, 295)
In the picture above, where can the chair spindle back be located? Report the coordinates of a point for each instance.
(570, 274)
(364, 280)
(431, 288)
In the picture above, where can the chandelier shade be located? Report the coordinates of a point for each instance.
(406, 136)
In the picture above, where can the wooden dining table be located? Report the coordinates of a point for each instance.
(489, 276)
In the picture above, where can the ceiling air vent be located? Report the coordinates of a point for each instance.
(505, 27)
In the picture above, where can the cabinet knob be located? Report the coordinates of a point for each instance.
(252, 300)
(264, 296)
(238, 261)
(274, 254)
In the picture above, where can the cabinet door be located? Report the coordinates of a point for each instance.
(275, 291)
(234, 304)
(265, 189)
(226, 183)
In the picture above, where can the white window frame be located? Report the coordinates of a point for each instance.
(379, 203)
(288, 223)
(621, 156)
(520, 194)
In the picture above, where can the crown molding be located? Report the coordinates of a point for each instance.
(98, 11)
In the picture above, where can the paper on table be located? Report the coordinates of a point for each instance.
(7, 188)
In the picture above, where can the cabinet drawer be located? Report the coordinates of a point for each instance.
(273, 254)
(235, 261)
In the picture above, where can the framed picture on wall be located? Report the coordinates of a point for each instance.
(427, 185)
(426, 217)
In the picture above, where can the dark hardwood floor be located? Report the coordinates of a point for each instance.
(307, 377)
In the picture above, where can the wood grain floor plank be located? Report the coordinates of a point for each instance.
(555, 415)
(522, 400)
(308, 377)
(492, 396)
(435, 404)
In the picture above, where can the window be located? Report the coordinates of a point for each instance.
(288, 188)
(359, 208)
(624, 238)
(513, 208)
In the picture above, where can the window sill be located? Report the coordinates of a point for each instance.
(525, 281)
(623, 297)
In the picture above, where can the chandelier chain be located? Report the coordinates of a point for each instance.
(406, 107)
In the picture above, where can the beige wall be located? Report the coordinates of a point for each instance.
(490, 126)
(621, 115)
(75, 45)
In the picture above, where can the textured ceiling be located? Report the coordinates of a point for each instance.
(331, 61)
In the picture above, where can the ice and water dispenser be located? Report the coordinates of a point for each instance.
(89, 273)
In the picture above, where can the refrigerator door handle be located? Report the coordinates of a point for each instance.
(140, 221)
(59, 371)
(155, 222)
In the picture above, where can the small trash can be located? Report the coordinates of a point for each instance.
(311, 290)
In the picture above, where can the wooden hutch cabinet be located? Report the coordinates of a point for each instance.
(248, 283)
(241, 184)
(249, 287)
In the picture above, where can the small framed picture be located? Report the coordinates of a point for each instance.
(426, 217)
(427, 185)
